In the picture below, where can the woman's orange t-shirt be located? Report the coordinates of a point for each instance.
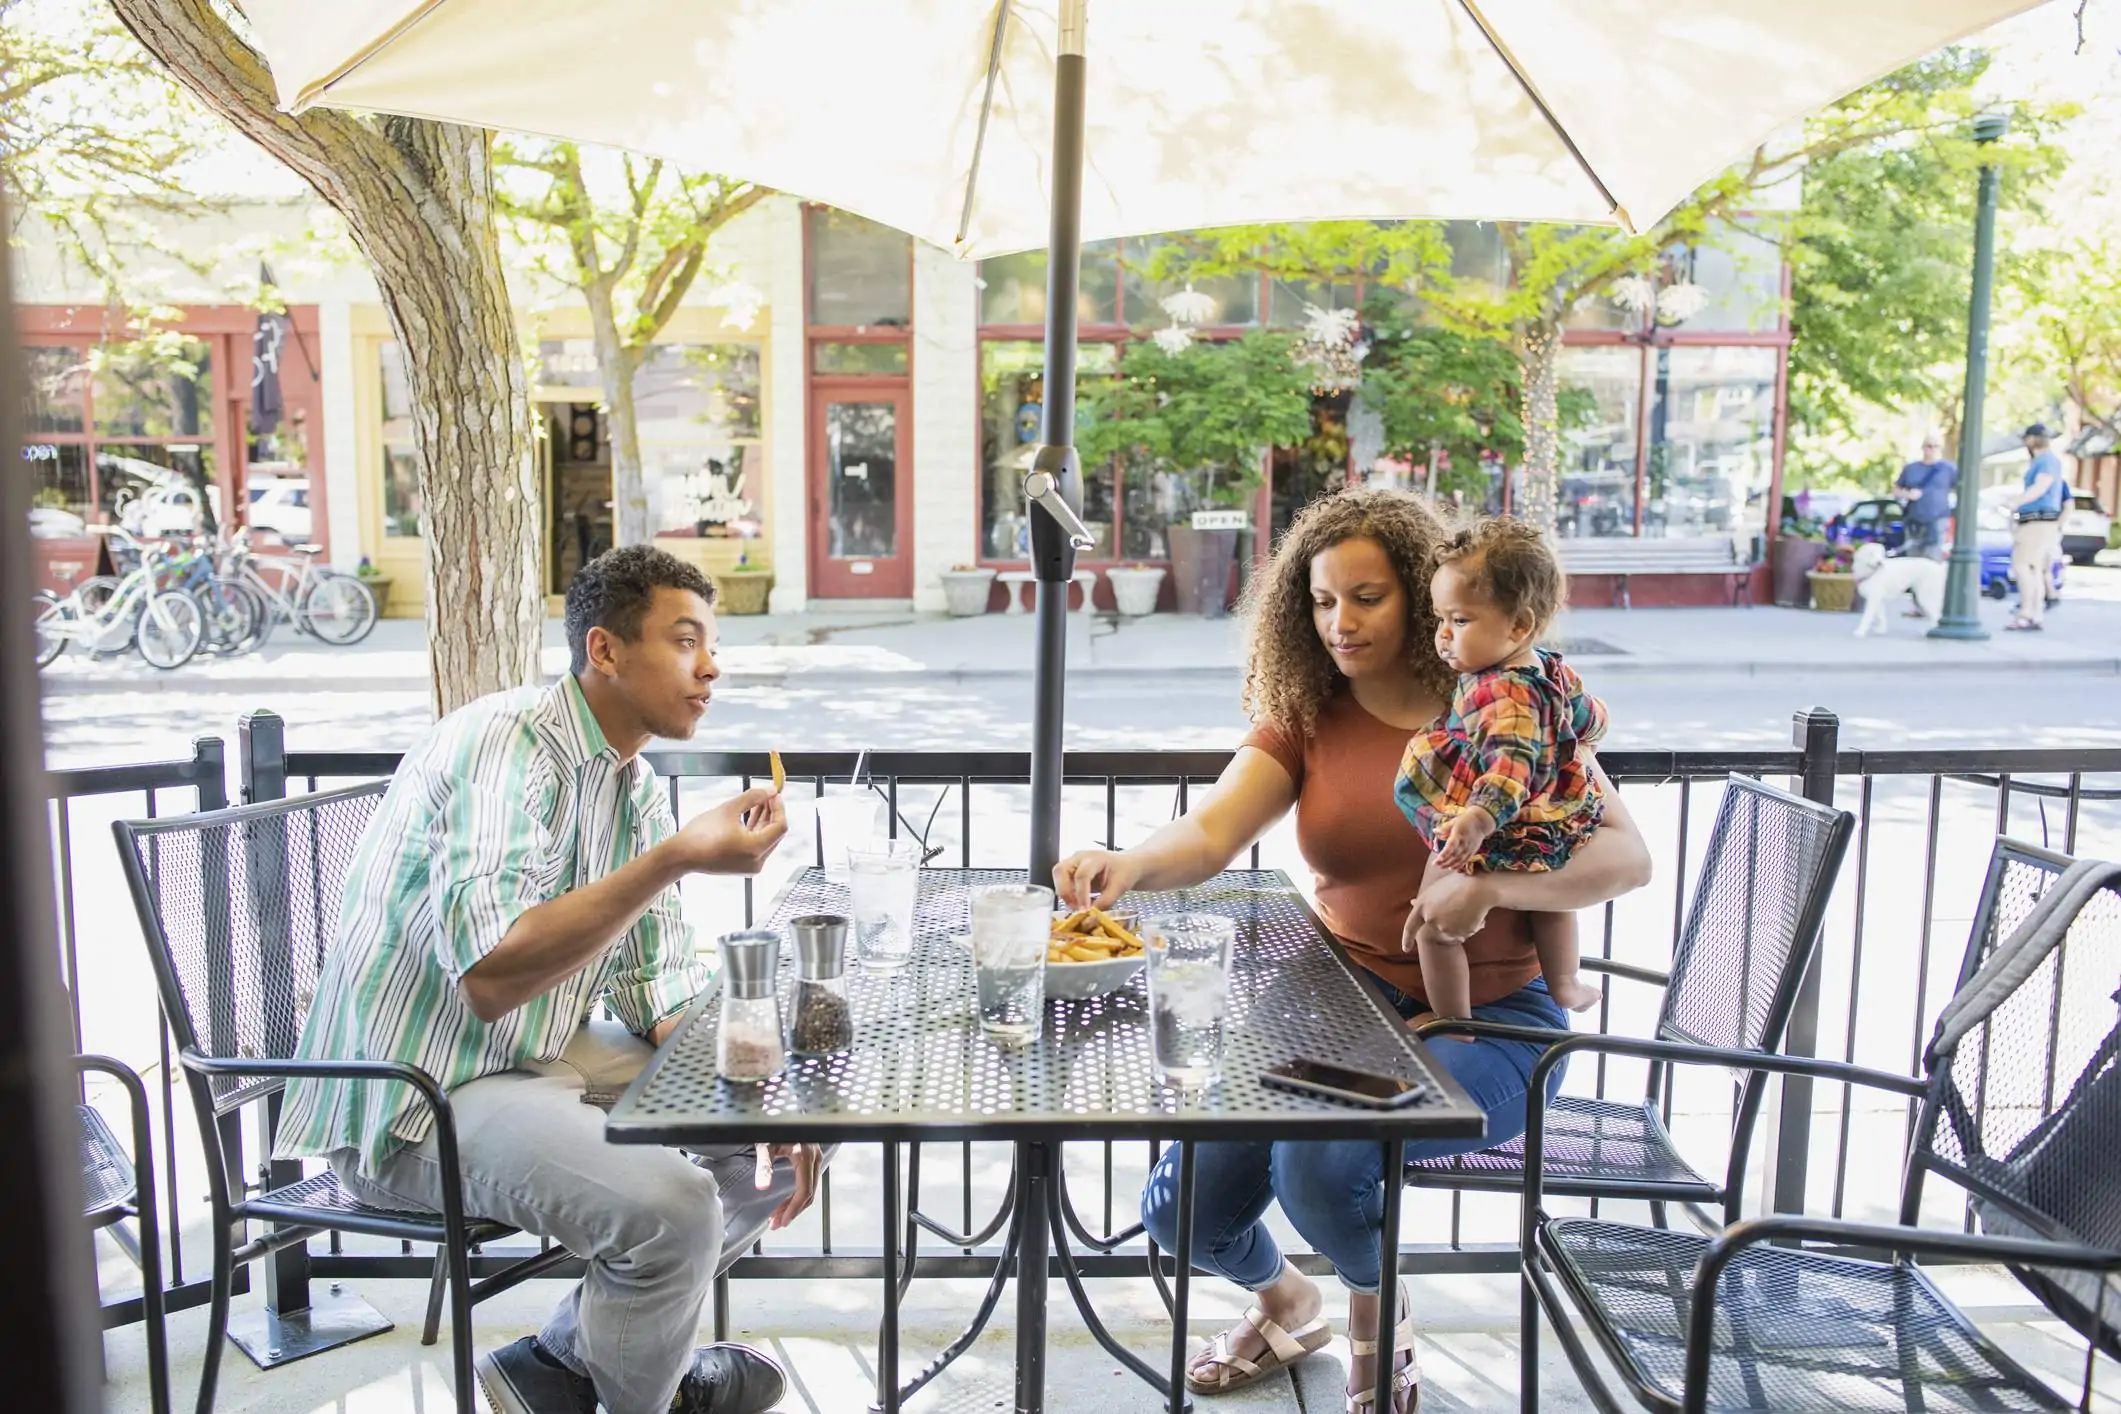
(1366, 856)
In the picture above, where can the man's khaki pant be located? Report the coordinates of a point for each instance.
(654, 1225)
(2034, 545)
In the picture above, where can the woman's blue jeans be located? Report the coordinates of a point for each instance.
(1333, 1192)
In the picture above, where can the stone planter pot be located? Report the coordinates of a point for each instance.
(743, 591)
(1832, 593)
(379, 587)
(1201, 566)
(1134, 588)
(965, 591)
(1793, 560)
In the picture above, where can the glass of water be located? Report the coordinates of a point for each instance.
(1189, 993)
(882, 878)
(1010, 923)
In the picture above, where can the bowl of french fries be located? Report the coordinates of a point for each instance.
(1091, 952)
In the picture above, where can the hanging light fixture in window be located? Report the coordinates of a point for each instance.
(1189, 306)
(1331, 348)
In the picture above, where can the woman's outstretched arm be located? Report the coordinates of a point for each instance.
(1253, 792)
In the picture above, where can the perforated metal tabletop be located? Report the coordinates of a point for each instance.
(921, 1068)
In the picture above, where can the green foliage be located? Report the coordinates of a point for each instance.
(1211, 410)
(2070, 301)
(1439, 389)
(96, 138)
(1881, 248)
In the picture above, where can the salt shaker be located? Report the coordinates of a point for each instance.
(748, 1048)
(822, 1021)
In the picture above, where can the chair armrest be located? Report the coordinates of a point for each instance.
(1629, 970)
(1708, 1272)
(445, 1133)
(1499, 1030)
(293, 1069)
(1676, 1053)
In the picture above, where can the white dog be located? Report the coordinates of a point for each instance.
(1881, 582)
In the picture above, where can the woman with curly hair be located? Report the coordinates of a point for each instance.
(1342, 674)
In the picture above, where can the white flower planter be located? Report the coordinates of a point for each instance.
(965, 591)
(1134, 590)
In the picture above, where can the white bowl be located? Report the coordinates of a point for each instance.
(1080, 981)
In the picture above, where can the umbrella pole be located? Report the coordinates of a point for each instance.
(1055, 481)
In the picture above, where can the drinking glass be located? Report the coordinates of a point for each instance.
(1189, 992)
(1010, 924)
(883, 877)
(846, 818)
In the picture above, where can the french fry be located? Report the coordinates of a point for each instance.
(1071, 924)
(780, 772)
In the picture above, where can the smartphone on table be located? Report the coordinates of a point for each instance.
(1349, 1086)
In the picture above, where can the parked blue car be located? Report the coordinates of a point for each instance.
(1883, 520)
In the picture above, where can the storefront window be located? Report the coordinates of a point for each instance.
(1712, 441)
(173, 480)
(57, 378)
(697, 410)
(1013, 287)
(1287, 299)
(1601, 395)
(1740, 276)
(1012, 395)
(1233, 299)
(858, 360)
(401, 480)
(568, 363)
(860, 273)
(59, 502)
(157, 387)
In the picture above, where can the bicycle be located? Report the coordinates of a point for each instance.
(318, 600)
(166, 626)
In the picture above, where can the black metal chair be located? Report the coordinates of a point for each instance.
(117, 1186)
(2020, 1108)
(1751, 932)
(240, 908)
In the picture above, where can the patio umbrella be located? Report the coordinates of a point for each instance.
(990, 126)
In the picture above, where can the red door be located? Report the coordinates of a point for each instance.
(861, 491)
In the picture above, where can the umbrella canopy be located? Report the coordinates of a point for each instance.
(936, 116)
(990, 126)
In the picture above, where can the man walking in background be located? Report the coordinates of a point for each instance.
(2036, 535)
(1925, 489)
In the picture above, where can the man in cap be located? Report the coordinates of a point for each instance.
(2036, 535)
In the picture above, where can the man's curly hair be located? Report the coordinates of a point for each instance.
(1512, 566)
(1289, 675)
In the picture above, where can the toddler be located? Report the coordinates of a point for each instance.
(1501, 782)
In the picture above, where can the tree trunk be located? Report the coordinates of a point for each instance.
(1539, 354)
(418, 199)
(616, 365)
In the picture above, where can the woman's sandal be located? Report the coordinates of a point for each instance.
(1406, 1379)
(1234, 1371)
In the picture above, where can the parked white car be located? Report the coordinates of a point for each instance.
(2085, 527)
(281, 507)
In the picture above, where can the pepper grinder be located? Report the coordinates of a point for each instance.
(823, 1021)
(748, 1047)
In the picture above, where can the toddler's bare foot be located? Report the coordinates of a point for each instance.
(1571, 994)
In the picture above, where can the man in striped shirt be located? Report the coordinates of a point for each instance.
(523, 866)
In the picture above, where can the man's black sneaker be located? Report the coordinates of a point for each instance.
(729, 1379)
(519, 1380)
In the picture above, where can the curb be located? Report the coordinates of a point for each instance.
(1598, 664)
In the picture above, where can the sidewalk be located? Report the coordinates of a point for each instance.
(848, 645)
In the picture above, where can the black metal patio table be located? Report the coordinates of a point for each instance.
(921, 1070)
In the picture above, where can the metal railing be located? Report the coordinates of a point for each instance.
(133, 789)
(1917, 795)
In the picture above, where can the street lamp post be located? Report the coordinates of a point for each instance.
(1962, 585)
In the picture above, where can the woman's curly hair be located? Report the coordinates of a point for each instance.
(1288, 672)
